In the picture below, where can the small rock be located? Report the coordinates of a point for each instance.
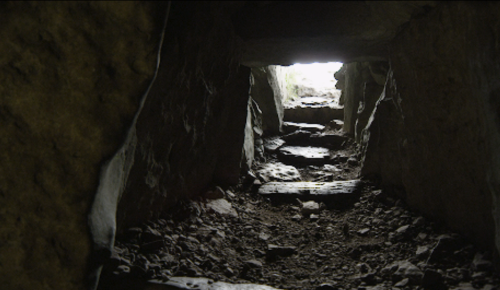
(222, 207)
(264, 236)
(480, 263)
(352, 161)
(402, 283)
(363, 232)
(253, 264)
(310, 207)
(363, 267)
(422, 251)
(229, 272)
(422, 236)
(314, 217)
(230, 194)
(406, 269)
(297, 217)
(123, 269)
(402, 229)
(151, 235)
(420, 221)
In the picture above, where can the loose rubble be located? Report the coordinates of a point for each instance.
(240, 236)
(385, 246)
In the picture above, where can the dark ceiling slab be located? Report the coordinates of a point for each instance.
(286, 32)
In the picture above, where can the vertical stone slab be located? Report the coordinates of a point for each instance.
(190, 133)
(351, 95)
(445, 75)
(268, 90)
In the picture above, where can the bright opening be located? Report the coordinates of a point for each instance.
(313, 80)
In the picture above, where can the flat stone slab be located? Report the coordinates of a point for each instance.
(278, 172)
(187, 283)
(289, 127)
(335, 191)
(304, 155)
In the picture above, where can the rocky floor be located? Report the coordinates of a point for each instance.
(239, 236)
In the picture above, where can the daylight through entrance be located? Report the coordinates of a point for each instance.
(314, 80)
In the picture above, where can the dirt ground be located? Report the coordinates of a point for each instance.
(373, 243)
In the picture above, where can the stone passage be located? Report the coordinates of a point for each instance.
(298, 220)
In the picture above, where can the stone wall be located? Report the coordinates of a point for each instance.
(269, 91)
(191, 131)
(71, 77)
(443, 107)
(361, 84)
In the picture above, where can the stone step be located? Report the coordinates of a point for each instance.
(187, 283)
(336, 192)
(289, 127)
(304, 155)
(313, 115)
(301, 137)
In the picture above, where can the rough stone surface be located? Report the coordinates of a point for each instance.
(278, 172)
(385, 120)
(187, 283)
(362, 83)
(310, 207)
(268, 90)
(442, 120)
(304, 155)
(272, 144)
(351, 95)
(373, 85)
(249, 137)
(222, 207)
(191, 130)
(336, 190)
(72, 75)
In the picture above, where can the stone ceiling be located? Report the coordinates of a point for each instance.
(286, 32)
